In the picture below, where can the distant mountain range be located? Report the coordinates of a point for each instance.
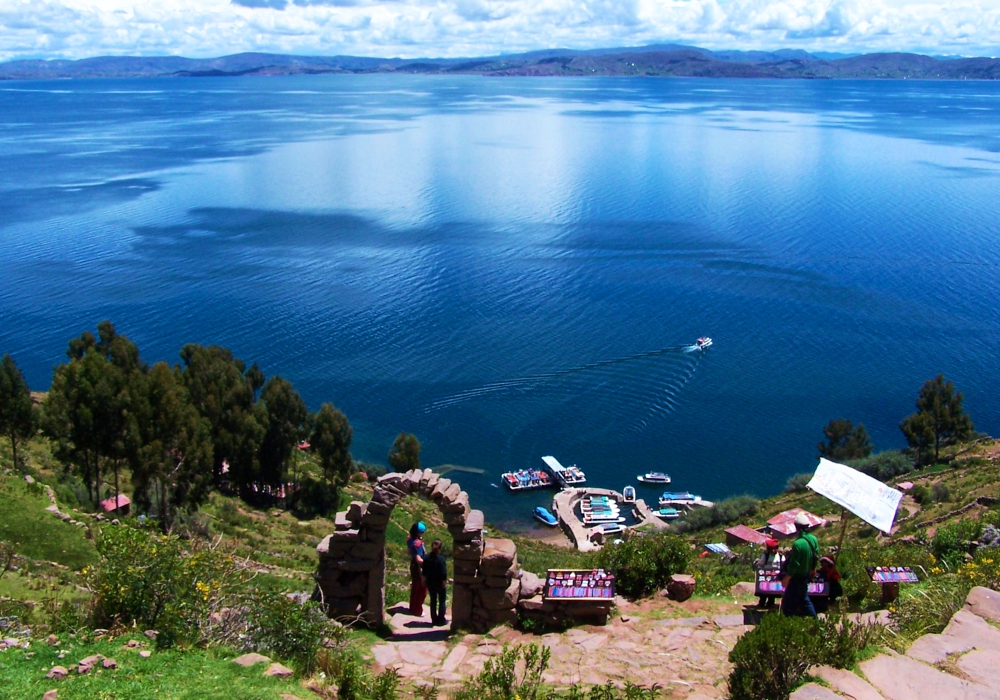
(664, 60)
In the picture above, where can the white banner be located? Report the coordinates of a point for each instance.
(867, 498)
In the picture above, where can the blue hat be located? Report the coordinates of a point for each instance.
(421, 528)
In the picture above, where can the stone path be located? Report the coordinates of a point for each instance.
(961, 663)
(682, 647)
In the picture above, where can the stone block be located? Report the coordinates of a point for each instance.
(425, 478)
(389, 478)
(366, 550)
(431, 483)
(743, 588)
(455, 519)
(502, 617)
(385, 494)
(500, 598)
(324, 546)
(534, 604)
(378, 508)
(341, 522)
(461, 607)
(473, 529)
(499, 582)
(471, 580)
(414, 476)
(984, 602)
(374, 534)
(814, 691)
(965, 625)
(499, 555)
(450, 494)
(469, 551)
(681, 587)
(466, 567)
(356, 511)
(531, 585)
(459, 505)
(371, 519)
(344, 607)
(442, 485)
(344, 536)
(357, 564)
(376, 594)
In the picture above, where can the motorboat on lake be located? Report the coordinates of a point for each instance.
(703, 343)
(685, 498)
(543, 516)
(654, 478)
(628, 494)
(525, 479)
(564, 476)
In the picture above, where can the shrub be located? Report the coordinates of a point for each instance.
(940, 492)
(983, 570)
(884, 465)
(772, 659)
(952, 541)
(500, 678)
(921, 494)
(313, 498)
(643, 564)
(355, 682)
(797, 483)
(278, 625)
(609, 691)
(926, 610)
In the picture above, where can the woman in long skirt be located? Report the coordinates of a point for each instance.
(415, 547)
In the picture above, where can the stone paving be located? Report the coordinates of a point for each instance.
(681, 646)
(961, 663)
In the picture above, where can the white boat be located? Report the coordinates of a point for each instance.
(524, 479)
(654, 478)
(703, 343)
(628, 494)
(611, 528)
(564, 476)
(601, 511)
(602, 520)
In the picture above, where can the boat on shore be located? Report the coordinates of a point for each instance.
(525, 479)
(564, 476)
(703, 343)
(543, 516)
(654, 478)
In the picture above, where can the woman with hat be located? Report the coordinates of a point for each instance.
(770, 560)
(415, 547)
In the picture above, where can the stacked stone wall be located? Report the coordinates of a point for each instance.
(351, 575)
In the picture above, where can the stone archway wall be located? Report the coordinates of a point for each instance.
(351, 576)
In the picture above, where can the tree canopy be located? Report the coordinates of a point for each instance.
(17, 415)
(405, 453)
(844, 441)
(331, 440)
(940, 418)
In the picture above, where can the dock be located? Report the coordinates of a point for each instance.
(564, 508)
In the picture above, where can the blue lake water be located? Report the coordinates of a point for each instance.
(515, 267)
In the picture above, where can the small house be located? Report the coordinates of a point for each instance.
(121, 507)
(782, 525)
(741, 534)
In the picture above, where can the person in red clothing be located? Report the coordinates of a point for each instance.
(415, 547)
(828, 571)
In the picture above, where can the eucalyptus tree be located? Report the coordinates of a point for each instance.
(405, 453)
(844, 441)
(331, 440)
(18, 420)
(285, 428)
(171, 455)
(87, 411)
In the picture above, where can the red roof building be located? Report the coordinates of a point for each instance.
(783, 524)
(741, 534)
(108, 505)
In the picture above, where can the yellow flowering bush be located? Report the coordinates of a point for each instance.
(983, 570)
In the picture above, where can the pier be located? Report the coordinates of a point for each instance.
(564, 508)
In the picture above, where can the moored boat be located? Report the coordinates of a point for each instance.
(543, 516)
(654, 478)
(628, 494)
(596, 519)
(610, 528)
(525, 479)
(564, 476)
(668, 513)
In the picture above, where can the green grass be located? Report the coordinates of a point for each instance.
(35, 532)
(181, 674)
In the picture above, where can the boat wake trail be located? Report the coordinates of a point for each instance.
(628, 393)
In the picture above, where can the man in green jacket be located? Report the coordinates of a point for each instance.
(799, 568)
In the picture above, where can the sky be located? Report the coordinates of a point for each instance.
(450, 28)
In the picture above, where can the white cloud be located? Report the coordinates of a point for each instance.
(411, 28)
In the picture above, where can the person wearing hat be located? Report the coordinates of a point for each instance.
(799, 568)
(828, 572)
(415, 547)
(770, 560)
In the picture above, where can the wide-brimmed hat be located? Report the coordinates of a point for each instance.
(803, 520)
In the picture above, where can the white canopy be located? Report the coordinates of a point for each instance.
(867, 498)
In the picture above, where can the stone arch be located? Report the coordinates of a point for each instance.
(351, 576)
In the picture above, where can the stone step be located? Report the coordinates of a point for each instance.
(966, 625)
(846, 683)
(903, 678)
(984, 603)
(982, 666)
(814, 691)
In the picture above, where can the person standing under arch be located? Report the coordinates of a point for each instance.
(417, 552)
(436, 581)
